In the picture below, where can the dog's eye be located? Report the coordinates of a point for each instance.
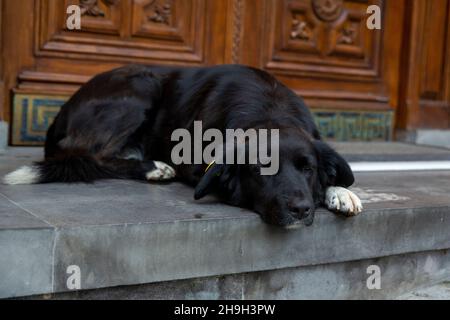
(307, 170)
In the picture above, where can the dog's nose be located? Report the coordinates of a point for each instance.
(300, 209)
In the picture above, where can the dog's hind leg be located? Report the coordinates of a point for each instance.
(141, 170)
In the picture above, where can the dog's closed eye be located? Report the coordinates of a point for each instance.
(303, 164)
(308, 170)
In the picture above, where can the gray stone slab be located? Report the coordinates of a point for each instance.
(26, 254)
(439, 138)
(439, 291)
(13, 217)
(129, 202)
(131, 254)
(214, 288)
(13, 157)
(348, 280)
(117, 202)
(392, 151)
(26, 258)
(127, 232)
(345, 280)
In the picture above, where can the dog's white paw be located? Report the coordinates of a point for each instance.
(343, 200)
(162, 172)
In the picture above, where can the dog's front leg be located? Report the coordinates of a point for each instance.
(342, 200)
(161, 171)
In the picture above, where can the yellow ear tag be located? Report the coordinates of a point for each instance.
(210, 165)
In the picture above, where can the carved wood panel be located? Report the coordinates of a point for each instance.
(99, 16)
(312, 34)
(434, 51)
(324, 51)
(128, 30)
(155, 18)
(46, 58)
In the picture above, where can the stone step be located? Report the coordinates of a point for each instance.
(127, 233)
(392, 151)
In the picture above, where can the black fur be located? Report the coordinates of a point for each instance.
(139, 107)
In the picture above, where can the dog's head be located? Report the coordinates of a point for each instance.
(289, 197)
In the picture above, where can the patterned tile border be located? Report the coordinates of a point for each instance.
(32, 114)
(340, 125)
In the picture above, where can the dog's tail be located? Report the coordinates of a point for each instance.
(78, 167)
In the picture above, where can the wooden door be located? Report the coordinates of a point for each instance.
(46, 62)
(360, 83)
(425, 85)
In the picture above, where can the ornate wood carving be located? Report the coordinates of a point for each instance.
(324, 33)
(328, 10)
(324, 51)
(300, 30)
(161, 12)
(347, 35)
(91, 8)
(135, 30)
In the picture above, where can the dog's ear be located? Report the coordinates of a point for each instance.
(210, 180)
(333, 170)
(218, 178)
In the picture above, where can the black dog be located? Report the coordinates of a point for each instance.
(119, 125)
